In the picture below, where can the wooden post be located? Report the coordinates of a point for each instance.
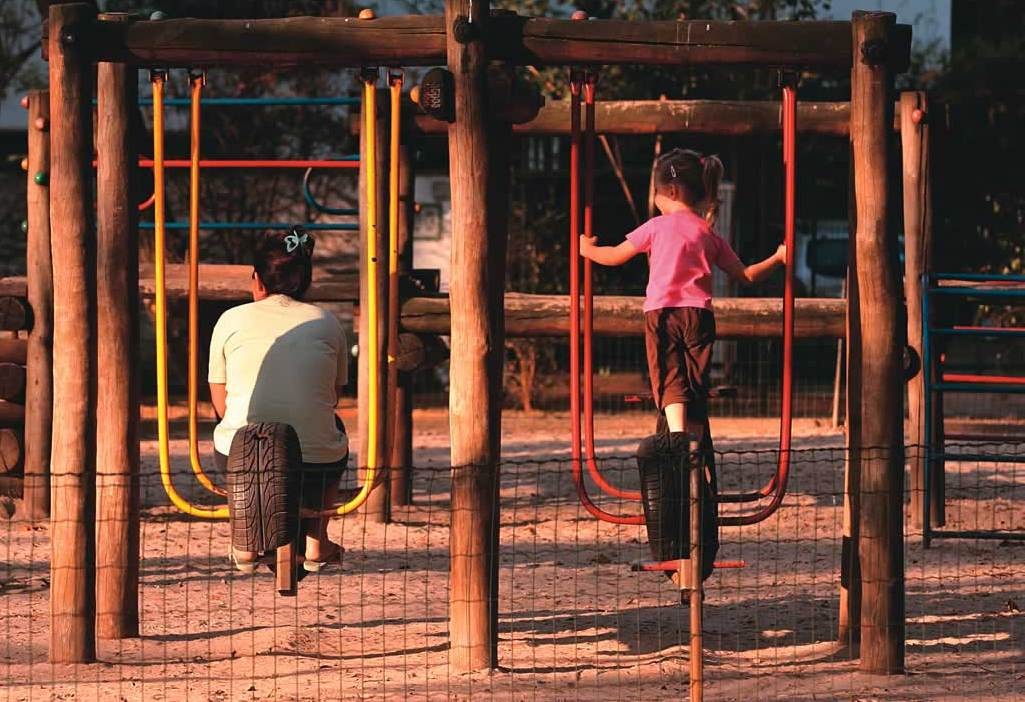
(400, 436)
(73, 462)
(914, 138)
(478, 170)
(39, 361)
(849, 631)
(376, 506)
(883, 331)
(117, 412)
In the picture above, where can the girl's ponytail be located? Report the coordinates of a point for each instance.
(712, 171)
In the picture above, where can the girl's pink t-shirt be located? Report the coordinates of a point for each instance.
(681, 250)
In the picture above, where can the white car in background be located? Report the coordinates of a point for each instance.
(821, 263)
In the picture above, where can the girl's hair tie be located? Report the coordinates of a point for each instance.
(703, 159)
(296, 239)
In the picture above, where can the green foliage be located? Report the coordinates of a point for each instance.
(20, 30)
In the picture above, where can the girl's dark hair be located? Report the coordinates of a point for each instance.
(697, 176)
(284, 262)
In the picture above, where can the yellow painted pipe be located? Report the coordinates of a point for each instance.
(193, 380)
(369, 131)
(177, 500)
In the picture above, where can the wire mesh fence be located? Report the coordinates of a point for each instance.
(574, 621)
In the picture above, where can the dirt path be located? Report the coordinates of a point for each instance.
(575, 622)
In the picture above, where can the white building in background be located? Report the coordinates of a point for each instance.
(432, 228)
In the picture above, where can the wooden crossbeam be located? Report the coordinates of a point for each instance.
(420, 40)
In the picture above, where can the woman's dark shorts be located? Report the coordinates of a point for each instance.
(316, 477)
(679, 343)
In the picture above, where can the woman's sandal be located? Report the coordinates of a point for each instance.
(247, 567)
(334, 556)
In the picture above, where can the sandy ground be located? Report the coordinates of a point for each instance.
(575, 622)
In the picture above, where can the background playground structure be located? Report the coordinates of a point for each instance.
(473, 570)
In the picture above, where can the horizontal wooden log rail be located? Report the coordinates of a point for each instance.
(548, 316)
(11, 414)
(231, 283)
(640, 117)
(526, 315)
(14, 351)
(10, 450)
(12, 380)
(420, 40)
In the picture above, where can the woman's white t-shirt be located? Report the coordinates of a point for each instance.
(281, 360)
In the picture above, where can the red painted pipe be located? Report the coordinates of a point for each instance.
(253, 163)
(983, 379)
(778, 484)
(574, 317)
(250, 163)
(960, 327)
(592, 462)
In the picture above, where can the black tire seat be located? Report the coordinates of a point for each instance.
(263, 487)
(664, 463)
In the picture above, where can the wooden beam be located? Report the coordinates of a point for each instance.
(12, 414)
(640, 117)
(548, 316)
(17, 285)
(72, 519)
(12, 380)
(849, 619)
(723, 117)
(220, 282)
(39, 291)
(15, 351)
(478, 170)
(420, 40)
(117, 415)
(231, 283)
(917, 189)
(883, 331)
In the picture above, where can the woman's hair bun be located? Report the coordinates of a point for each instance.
(298, 242)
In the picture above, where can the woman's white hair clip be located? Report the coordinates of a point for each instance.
(294, 240)
(672, 171)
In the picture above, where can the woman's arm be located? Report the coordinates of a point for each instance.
(757, 272)
(606, 255)
(218, 398)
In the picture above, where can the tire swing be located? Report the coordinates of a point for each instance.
(265, 459)
(665, 459)
(679, 491)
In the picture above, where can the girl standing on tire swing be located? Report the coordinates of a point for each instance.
(278, 359)
(679, 327)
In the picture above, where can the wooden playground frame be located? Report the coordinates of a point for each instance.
(95, 461)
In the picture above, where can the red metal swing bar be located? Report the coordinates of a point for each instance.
(576, 87)
(776, 486)
(589, 89)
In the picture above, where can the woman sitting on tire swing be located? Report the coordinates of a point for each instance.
(278, 359)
